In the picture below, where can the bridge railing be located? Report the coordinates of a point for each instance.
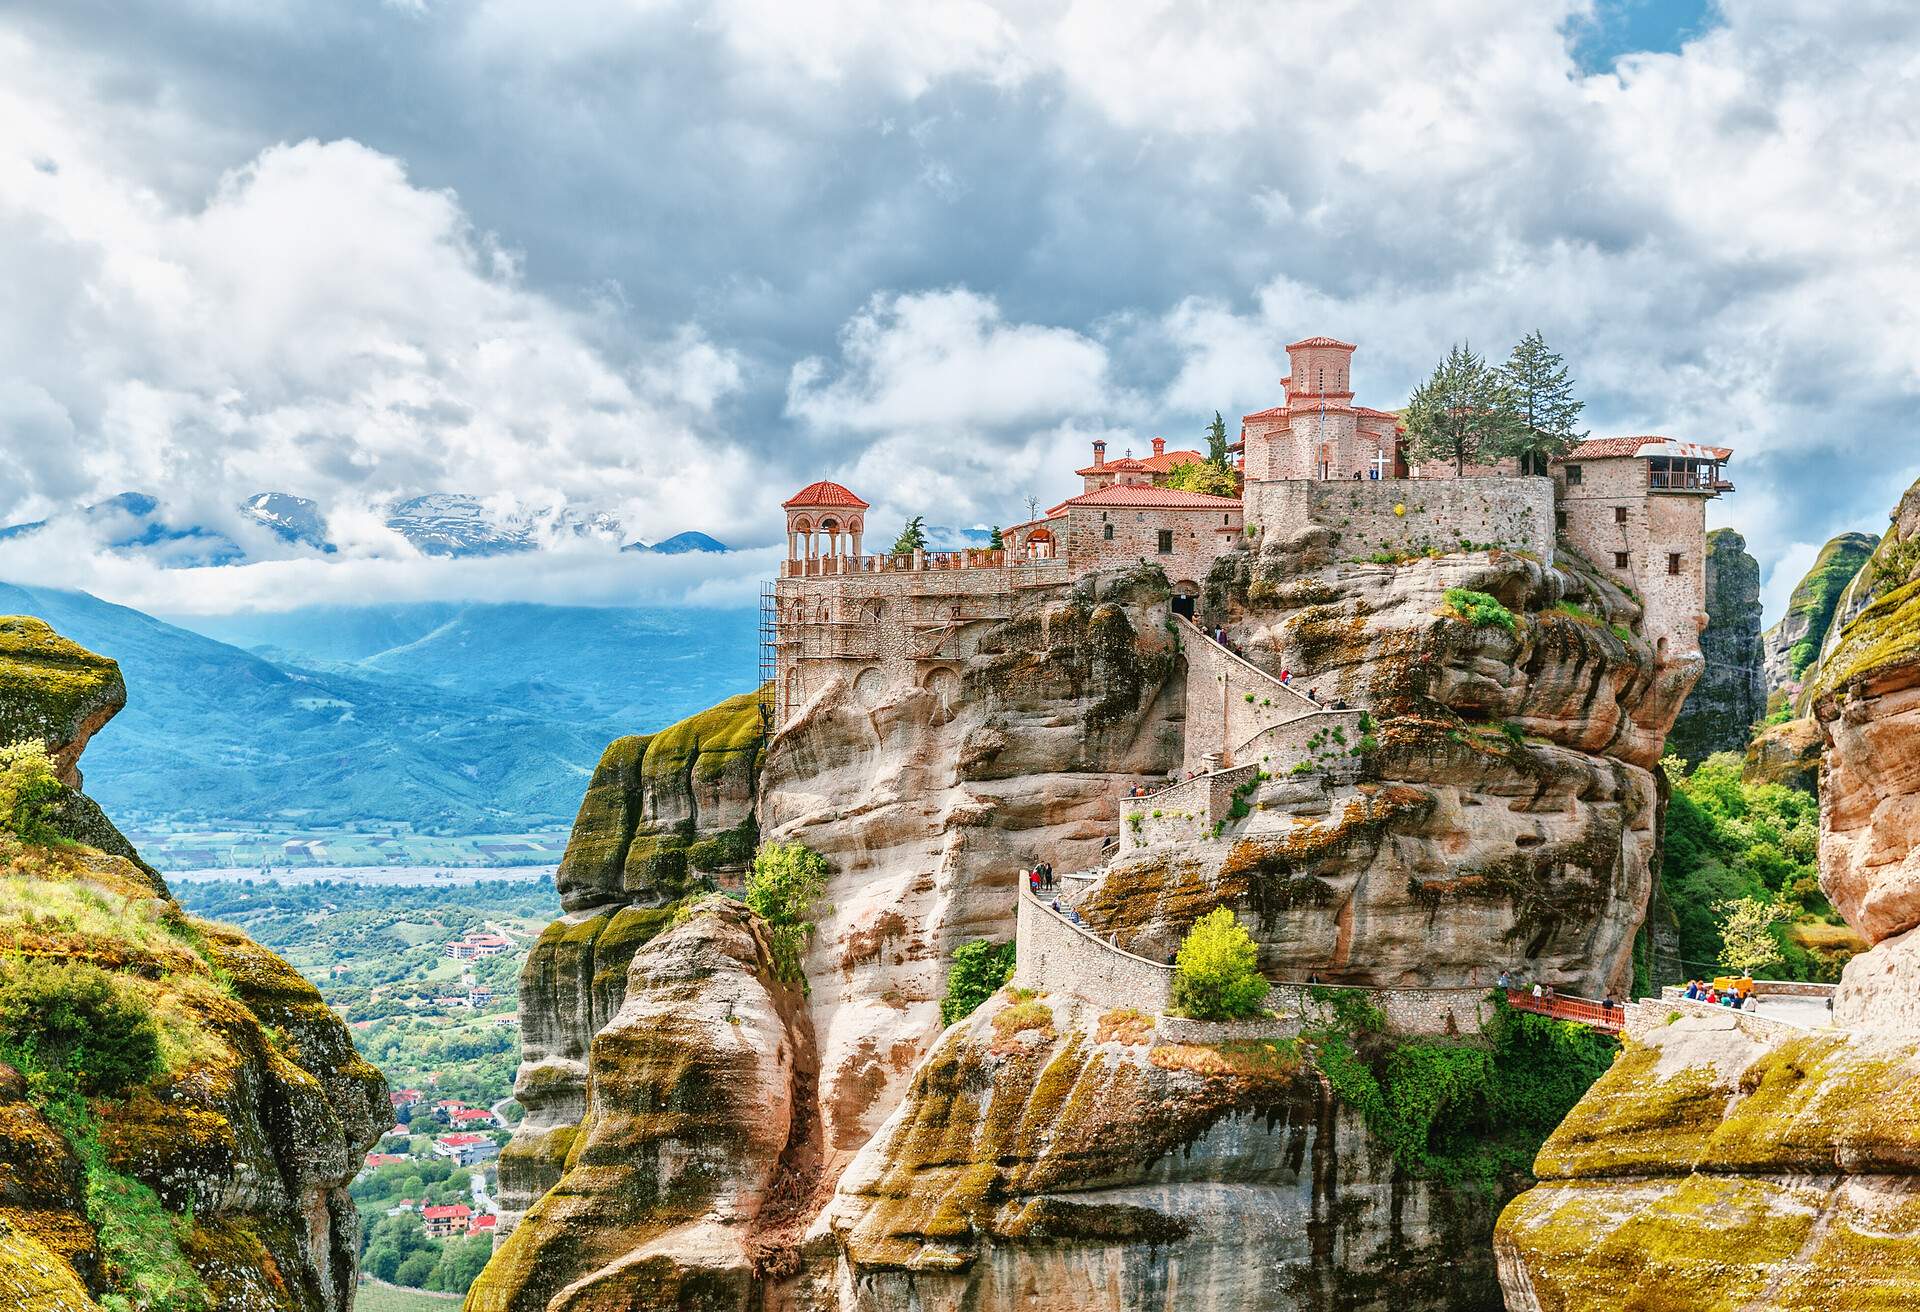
(1585, 1011)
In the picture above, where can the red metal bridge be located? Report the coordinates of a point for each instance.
(1584, 1011)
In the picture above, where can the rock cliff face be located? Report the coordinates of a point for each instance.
(222, 1176)
(1061, 1159)
(1794, 643)
(1731, 696)
(1502, 813)
(661, 812)
(1729, 1165)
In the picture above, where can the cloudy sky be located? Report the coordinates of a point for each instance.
(672, 260)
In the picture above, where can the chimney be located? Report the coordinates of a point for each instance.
(1099, 454)
(1159, 446)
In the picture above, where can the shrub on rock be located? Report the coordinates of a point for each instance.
(1215, 975)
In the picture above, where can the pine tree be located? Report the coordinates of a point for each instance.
(996, 542)
(912, 537)
(1461, 413)
(1544, 412)
(1217, 441)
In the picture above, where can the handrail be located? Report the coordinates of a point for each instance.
(1585, 1011)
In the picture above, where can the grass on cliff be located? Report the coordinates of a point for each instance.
(1462, 1112)
(1480, 609)
(76, 1033)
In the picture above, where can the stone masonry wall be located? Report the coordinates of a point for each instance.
(1229, 700)
(1053, 955)
(1184, 813)
(1516, 513)
(1199, 536)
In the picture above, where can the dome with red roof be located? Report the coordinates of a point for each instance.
(823, 494)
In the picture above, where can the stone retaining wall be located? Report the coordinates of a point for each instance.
(1184, 813)
(1650, 1014)
(1308, 738)
(1054, 955)
(1516, 513)
(1229, 699)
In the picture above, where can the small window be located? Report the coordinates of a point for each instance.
(1106, 531)
(1560, 520)
(1166, 541)
(1673, 562)
(1619, 560)
(1619, 514)
(1573, 474)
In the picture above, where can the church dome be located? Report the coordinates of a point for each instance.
(823, 494)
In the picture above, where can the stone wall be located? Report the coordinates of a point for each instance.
(1513, 512)
(1198, 537)
(1054, 955)
(1325, 739)
(1229, 700)
(1184, 813)
(1649, 1014)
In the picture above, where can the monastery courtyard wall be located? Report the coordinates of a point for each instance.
(1516, 513)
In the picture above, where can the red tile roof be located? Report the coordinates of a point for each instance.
(1602, 448)
(1168, 460)
(451, 1212)
(1271, 412)
(1320, 341)
(823, 493)
(1146, 495)
(484, 1221)
(472, 1114)
(462, 1140)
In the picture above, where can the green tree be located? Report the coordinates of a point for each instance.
(1747, 941)
(978, 969)
(1217, 442)
(912, 537)
(460, 1263)
(415, 1267)
(996, 542)
(28, 790)
(1461, 413)
(1215, 973)
(1543, 411)
(787, 879)
(1204, 476)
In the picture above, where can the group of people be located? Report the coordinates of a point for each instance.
(1698, 990)
(1040, 877)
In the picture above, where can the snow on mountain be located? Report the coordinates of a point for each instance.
(290, 518)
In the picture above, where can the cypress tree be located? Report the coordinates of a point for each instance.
(1543, 408)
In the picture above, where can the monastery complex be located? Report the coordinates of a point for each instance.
(1634, 507)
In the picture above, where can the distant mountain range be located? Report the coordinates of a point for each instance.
(452, 718)
(450, 524)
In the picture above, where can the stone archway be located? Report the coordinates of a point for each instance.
(870, 687)
(1186, 598)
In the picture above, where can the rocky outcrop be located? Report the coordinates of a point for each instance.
(1866, 694)
(1787, 753)
(1737, 1166)
(1497, 812)
(1794, 643)
(223, 1175)
(678, 1187)
(663, 815)
(1731, 696)
(1715, 1171)
(54, 692)
(1050, 1157)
